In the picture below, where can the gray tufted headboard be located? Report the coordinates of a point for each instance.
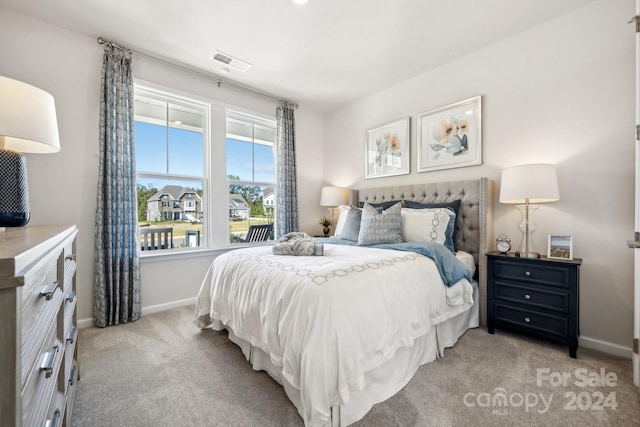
(473, 224)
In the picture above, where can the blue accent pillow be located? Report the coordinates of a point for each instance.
(380, 227)
(351, 228)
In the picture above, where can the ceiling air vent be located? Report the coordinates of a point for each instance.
(232, 62)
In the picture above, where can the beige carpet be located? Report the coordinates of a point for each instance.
(163, 371)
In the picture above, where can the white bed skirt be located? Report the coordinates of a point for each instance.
(385, 380)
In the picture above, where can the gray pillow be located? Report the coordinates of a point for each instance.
(380, 227)
(351, 227)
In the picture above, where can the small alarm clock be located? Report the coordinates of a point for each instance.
(503, 244)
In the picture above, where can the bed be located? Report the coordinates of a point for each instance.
(343, 331)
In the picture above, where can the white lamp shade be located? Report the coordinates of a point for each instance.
(28, 121)
(535, 183)
(333, 196)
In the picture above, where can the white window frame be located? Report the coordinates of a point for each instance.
(215, 238)
(260, 122)
(175, 98)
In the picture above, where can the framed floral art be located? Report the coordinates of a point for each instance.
(387, 150)
(450, 136)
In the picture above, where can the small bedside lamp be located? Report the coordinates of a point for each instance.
(27, 125)
(332, 197)
(527, 185)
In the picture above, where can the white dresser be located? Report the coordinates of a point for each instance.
(38, 366)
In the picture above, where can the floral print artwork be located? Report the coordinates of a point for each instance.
(388, 145)
(450, 136)
(387, 150)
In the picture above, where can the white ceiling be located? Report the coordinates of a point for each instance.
(321, 55)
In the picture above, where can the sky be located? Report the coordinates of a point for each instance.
(185, 151)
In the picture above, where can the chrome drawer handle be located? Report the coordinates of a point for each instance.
(53, 422)
(47, 291)
(72, 375)
(526, 319)
(69, 296)
(72, 335)
(527, 273)
(527, 296)
(48, 361)
(71, 257)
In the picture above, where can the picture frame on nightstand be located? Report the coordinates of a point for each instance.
(560, 247)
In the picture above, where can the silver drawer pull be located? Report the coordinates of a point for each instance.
(53, 422)
(527, 273)
(47, 291)
(526, 319)
(527, 296)
(70, 296)
(72, 335)
(72, 375)
(48, 361)
(71, 257)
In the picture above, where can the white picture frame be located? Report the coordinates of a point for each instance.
(560, 247)
(450, 136)
(387, 149)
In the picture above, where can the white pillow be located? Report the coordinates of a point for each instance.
(425, 225)
(344, 210)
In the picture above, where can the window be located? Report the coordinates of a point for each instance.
(170, 138)
(250, 173)
(206, 206)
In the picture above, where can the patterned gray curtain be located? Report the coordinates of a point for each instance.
(116, 287)
(286, 177)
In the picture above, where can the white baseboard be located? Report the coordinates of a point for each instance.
(605, 347)
(86, 323)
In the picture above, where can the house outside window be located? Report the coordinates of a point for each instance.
(170, 136)
(181, 175)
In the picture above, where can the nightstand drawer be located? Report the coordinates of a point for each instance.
(541, 274)
(543, 323)
(533, 297)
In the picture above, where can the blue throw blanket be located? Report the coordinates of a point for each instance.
(450, 268)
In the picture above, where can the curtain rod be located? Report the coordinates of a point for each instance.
(204, 74)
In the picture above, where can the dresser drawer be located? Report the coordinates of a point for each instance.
(43, 278)
(70, 339)
(42, 378)
(71, 392)
(541, 274)
(533, 297)
(69, 263)
(69, 305)
(532, 320)
(34, 344)
(56, 412)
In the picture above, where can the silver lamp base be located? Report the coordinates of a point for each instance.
(527, 254)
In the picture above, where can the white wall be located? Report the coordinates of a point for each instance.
(561, 93)
(63, 186)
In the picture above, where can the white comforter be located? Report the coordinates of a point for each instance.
(327, 320)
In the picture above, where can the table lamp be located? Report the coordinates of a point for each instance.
(27, 125)
(333, 197)
(527, 185)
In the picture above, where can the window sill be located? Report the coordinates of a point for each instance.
(167, 255)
